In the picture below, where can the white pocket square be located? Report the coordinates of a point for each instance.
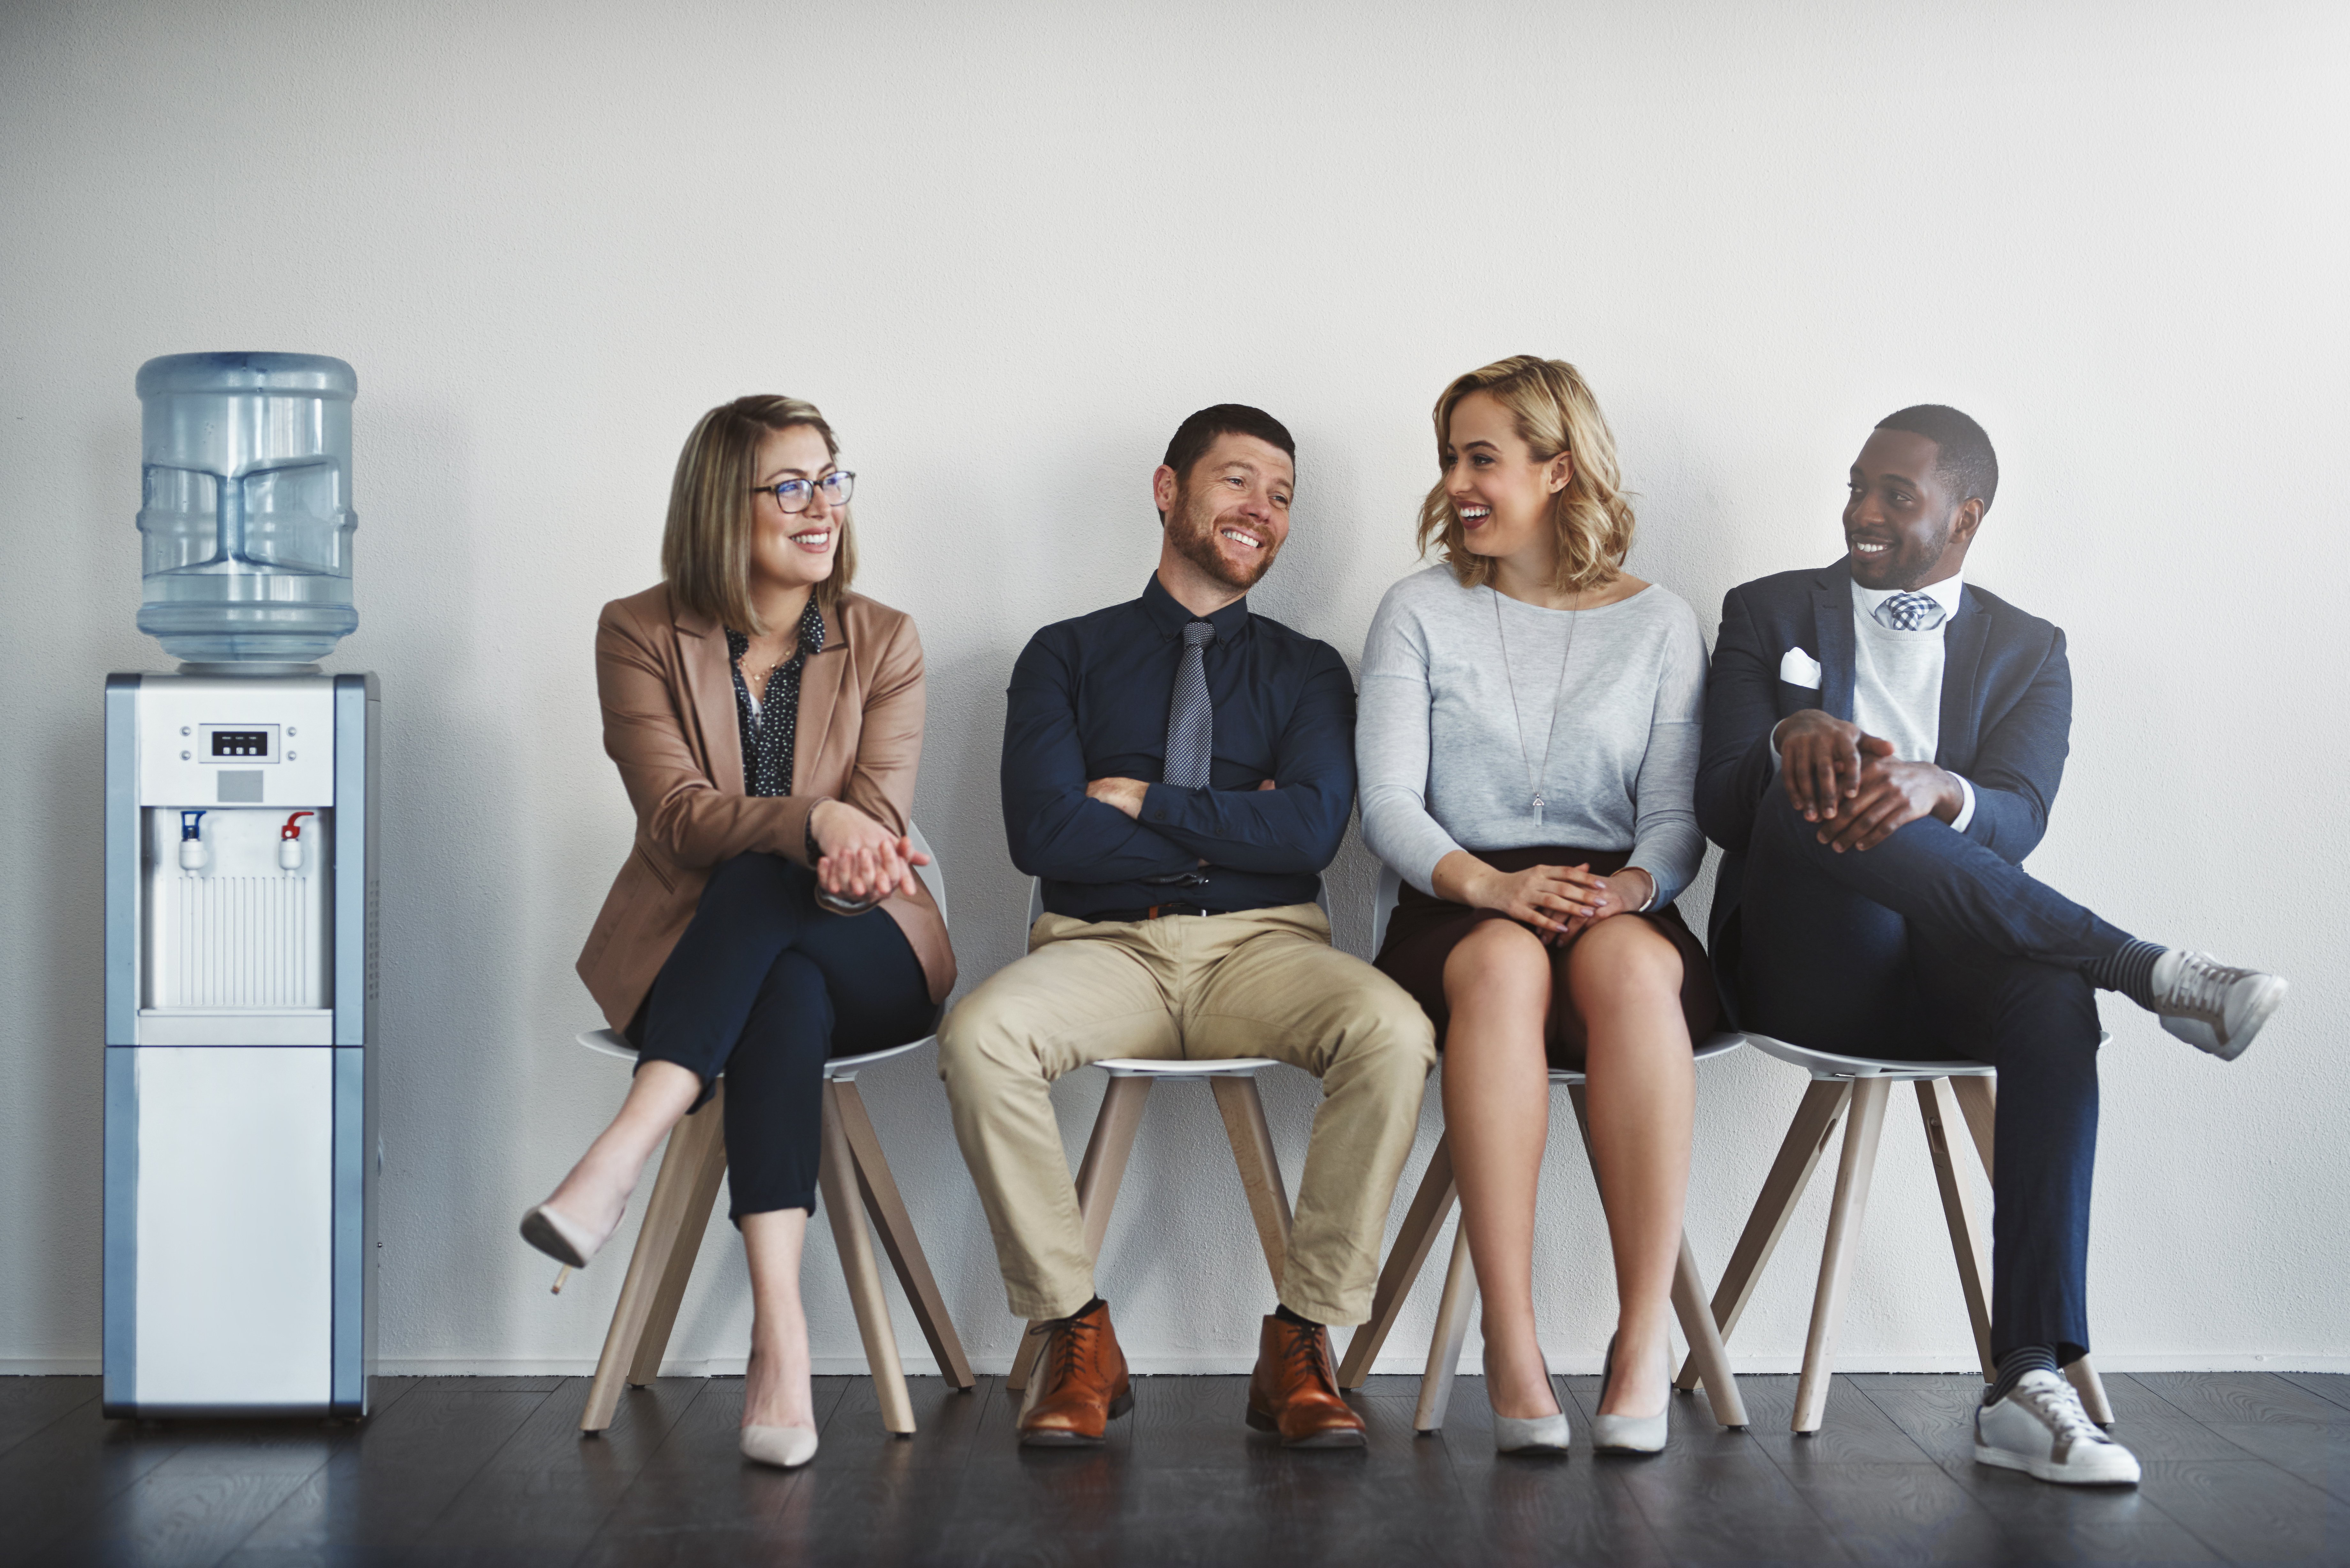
(1797, 668)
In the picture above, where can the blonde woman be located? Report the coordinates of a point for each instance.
(766, 722)
(1528, 744)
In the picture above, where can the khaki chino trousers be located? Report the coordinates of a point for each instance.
(1264, 982)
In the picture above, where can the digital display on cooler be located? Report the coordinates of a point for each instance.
(240, 743)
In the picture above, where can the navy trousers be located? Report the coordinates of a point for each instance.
(764, 986)
(1930, 947)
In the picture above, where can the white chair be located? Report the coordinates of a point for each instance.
(852, 1164)
(1233, 1082)
(1860, 1085)
(1433, 1203)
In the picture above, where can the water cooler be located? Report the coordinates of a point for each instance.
(241, 1150)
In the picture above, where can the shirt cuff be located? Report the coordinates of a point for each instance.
(1967, 810)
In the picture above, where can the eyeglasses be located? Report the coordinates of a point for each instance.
(793, 494)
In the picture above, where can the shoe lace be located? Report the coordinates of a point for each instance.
(2057, 1405)
(2201, 983)
(1068, 1340)
(1306, 1356)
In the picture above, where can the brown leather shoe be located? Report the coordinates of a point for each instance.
(1294, 1390)
(1080, 1382)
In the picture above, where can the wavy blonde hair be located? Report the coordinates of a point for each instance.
(1554, 412)
(706, 546)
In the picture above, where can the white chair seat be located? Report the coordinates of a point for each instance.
(1138, 1067)
(1828, 1065)
(608, 1043)
(1711, 1047)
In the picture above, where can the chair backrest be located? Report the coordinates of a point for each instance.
(1383, 905)
(1037, 896)
(934, 881)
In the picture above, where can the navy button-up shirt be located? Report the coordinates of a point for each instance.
(1088, 699)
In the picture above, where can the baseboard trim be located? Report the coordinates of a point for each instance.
(1570, 1364)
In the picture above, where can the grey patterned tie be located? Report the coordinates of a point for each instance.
(1191, 723)
(1909, 612)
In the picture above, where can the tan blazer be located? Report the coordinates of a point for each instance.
(667, 686)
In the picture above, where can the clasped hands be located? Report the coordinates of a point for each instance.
(1557, 901)
(1848, 780)
(862, 862)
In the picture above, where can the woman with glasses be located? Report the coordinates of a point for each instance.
(766, 722)
(1528, 744)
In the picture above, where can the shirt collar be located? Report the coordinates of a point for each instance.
(1944, 593)
(1169, 617)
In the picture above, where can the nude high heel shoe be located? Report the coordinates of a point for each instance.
(1627, 1434)
(1535, 1437)
(786, 1448)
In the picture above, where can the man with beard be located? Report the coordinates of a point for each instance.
(1178, 772)
(1883, 743)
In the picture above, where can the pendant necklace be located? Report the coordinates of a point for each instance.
(1533, 779)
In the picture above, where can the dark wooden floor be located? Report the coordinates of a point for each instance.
(2239, 1468)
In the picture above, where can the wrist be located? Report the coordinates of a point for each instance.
(1644, 882)
(1954, 798)
(814, 843)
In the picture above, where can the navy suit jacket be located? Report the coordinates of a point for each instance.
(2006, 724)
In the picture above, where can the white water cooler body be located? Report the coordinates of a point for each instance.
(240, 1031)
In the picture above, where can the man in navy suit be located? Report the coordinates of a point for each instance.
(1883, 742)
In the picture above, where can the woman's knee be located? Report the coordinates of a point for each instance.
(1497, 959)
(1624, 960)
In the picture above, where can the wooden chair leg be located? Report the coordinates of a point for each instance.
(1452, 1330)
(1844, 1217)
(883, 1201)
(663, 1258)
(1939, 1107)
(1816, 1117)
(837, 1176)
(1242, 1110)
(1708, 1358)
(711, 1169)
(1421, 1222)
(1978, 1096)
(1099, 1174)
(2092, 1390)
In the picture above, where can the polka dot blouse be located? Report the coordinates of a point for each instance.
(770, 729)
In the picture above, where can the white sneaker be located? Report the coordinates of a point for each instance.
(2040, 1427)
(2212, 1006)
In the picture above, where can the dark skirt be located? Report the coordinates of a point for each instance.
(1424, 929)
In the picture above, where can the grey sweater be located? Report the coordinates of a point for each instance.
(1439, 754)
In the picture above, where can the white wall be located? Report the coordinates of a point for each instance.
(1007, 252)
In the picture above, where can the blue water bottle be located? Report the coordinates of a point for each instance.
(247, 518)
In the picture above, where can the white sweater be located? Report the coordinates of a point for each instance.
(1439, 752)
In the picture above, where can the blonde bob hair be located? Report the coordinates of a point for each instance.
(1554, 413)
(706, 546)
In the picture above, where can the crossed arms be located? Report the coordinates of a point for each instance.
(1057, 829)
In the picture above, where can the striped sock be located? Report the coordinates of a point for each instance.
(2129, 971)
(2015, 1364)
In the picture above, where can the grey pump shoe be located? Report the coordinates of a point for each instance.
(1627, 1434)
(1535, 1437)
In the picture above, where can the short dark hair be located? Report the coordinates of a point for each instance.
(1195, 435)
(1964, 460)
